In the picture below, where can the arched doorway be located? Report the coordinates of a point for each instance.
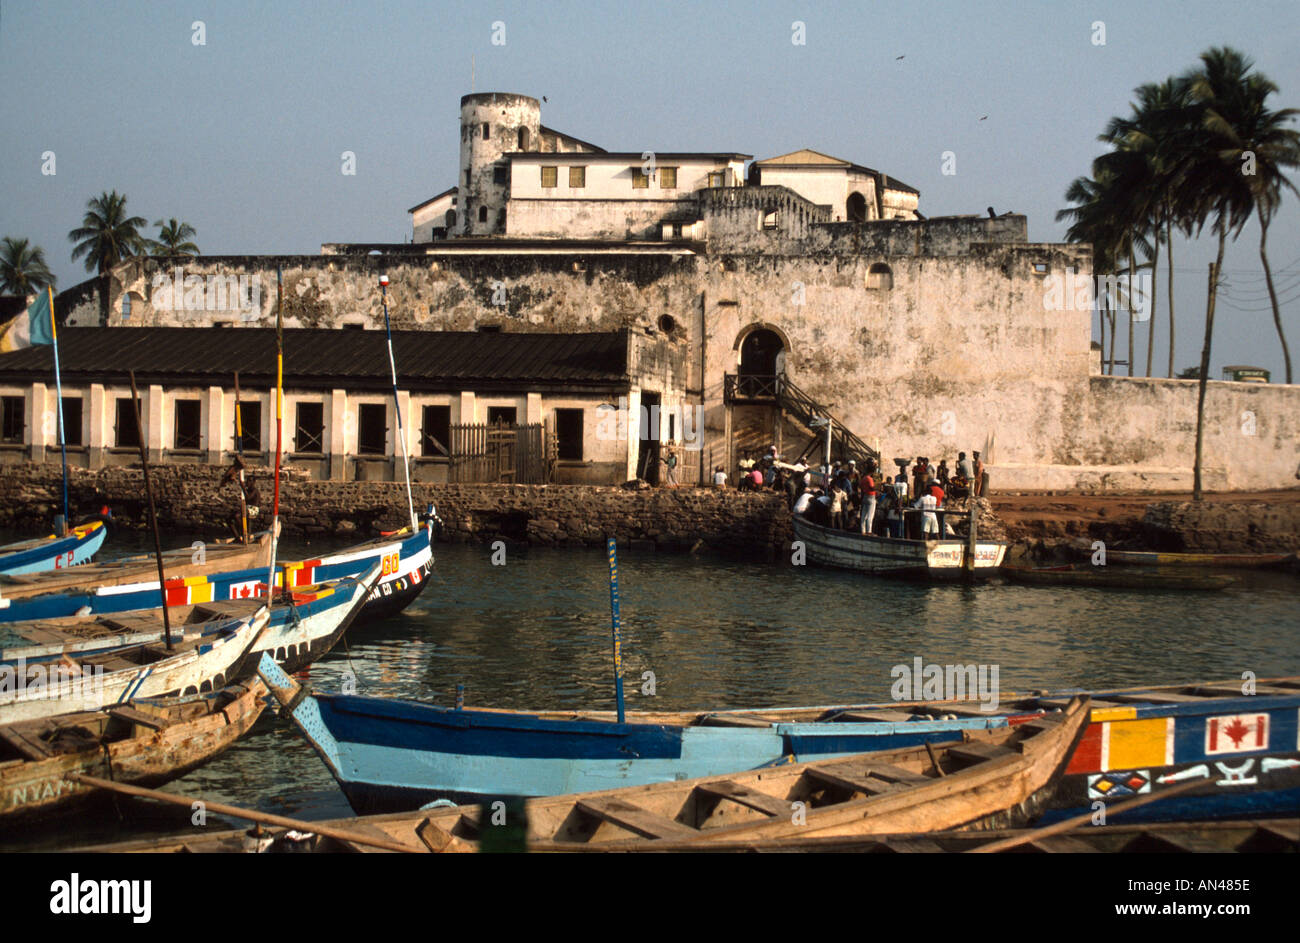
(762, 353)
(856, 208)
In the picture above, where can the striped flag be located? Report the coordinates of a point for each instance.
(33, 326)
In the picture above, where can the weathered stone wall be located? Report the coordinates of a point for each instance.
(189, 501)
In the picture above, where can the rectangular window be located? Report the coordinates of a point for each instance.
(640, 181)
(127, 434)
(372, 429)
(487, 130)
(499, 175)
(549, 175)
(502, 415)
(577, 177)
(14, 421)
(436, 434)
(717, 178)
(568, 434)
(188, 414)
(72, 420)
(769, 220)
(250, 420)
(309, 435)
(667, 178)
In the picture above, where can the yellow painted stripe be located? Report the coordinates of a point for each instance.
(1137, 743)
(1100, 714)
(201, 593)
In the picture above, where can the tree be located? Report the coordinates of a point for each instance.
(174, 238)
(1215, 187)
(22, 268)
(1093, 220)
(107, 235)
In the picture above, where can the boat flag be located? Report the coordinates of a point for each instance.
(34, 326)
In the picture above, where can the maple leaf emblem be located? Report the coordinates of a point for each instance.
(1236, 731)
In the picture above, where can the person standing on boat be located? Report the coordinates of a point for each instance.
(803, 503)
(867, 486)
(930, 520)
(977, 483)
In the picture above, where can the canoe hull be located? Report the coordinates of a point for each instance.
(913, 559)
(56, 553)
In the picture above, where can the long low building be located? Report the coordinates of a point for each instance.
(474, 406)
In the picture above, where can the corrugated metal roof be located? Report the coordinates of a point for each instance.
(326, 358)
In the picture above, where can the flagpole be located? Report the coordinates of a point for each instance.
(397, 405)
(279, 412)
(58, 405)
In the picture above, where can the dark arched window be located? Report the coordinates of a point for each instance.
(880, 276)
(856, 208)
(523, 139)
(762, 353)
(451, 219)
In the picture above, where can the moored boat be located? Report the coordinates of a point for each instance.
(1115, 577)
(1248, 561)
(147, 742)
(53, 553)
(942, 559)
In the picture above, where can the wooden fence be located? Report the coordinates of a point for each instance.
(487, 453)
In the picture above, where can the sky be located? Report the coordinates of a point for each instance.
(243, 135)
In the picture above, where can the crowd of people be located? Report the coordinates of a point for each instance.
(846, 496)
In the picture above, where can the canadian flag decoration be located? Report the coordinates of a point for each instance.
(248, 589)
(1236, 733)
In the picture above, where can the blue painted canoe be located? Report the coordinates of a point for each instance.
(395, 755)
(53, 552)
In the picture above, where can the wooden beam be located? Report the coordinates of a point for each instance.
(131, 715)
(751, 798)
(634, 818)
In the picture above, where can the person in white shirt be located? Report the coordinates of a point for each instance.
(927, 503)
(719, 478)
(804, 500)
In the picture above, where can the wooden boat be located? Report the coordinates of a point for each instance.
(1212, 560)
(1257, 836)
(200, 661)
(147, 742)
(984, 778)
(303, 625)
(53, 553)
(942, 559)
(231, 571)
(1116, 577)
(62, 593)
(391, 755)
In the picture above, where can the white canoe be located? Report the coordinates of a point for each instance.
(927, 559)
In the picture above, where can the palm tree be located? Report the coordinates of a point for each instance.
(1255, 140)
(1093, 221)
(107, 235)
(1222, 98)
(22, 268)
(174, 238)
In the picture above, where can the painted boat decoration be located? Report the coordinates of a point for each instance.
(200, 661)
(56, 553)
(405, 561)
(1212, 560)
(59, 593)
(1115, 577)
(145, 742)
(867, 553)
(392, 755)
(1244, 750)
(302, 626)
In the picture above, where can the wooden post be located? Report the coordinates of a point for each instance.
(612, 548)
(968, 562)
(153, 514)
(239, 451)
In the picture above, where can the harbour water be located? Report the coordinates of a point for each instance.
(535, 633)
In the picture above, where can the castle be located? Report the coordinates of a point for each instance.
(557, 280)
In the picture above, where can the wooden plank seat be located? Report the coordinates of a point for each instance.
(875, 717)
(968, 754)
(733, 720)
(633, 818)
(134, 716)
(28, 746)
(851, 780)
(750, 798)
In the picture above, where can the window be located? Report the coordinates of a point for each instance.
(577, 177)
(72, 420)
(372, 429)
(437, 431)
(523, 139)
(568, 434)
(881, 276)
(549, 175)
(126, 305)
(717, 178)
(188, 415)
(640, 181)
(450, 219)
(309, 434)
(499, 175)
(487, 130)
(250, 421)
(769, 220)
(14, 421)
(127, 435)
(667, 178)
(482, 214)
(502, 415)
